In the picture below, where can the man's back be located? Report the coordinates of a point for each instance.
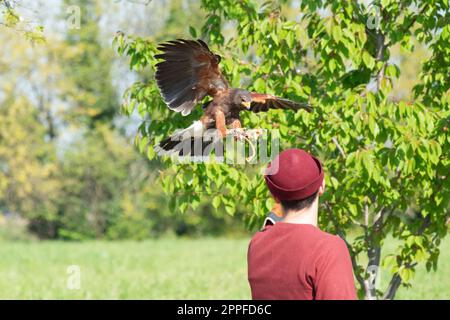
(299, 261)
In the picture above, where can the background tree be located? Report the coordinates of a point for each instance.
(93, 185)
(386, 159)
(67, 167)
(91, 94)
(28, 170)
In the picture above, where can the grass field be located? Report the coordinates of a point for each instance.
(154, 269)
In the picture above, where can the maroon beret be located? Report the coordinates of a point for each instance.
(294, 175)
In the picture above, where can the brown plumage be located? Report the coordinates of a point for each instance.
(189, 72)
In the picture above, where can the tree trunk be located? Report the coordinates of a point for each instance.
(373, 266)
(393, 287)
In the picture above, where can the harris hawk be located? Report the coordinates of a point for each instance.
(189, 71)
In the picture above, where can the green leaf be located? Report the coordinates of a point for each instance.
(216, 202)
(259, 85)
(336, 32)
(406, 274)
(390, 261)
(392, 71)
(334, 182)
(269, 204)
(369, 61)
(230, 209)
(332, 65)
(193, 32)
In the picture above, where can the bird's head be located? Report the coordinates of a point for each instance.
(242, 98)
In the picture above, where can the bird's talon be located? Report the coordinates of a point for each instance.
(238, 133)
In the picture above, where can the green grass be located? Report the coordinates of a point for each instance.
(154, 269)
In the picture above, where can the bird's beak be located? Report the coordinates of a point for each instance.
(246, 104)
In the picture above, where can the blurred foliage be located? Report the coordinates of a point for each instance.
(15, 228)
(67, 169)
(386, 158)
(27, 162)
(11, 18)
(88, 68)
(96, 171)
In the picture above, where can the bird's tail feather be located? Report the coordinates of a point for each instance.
(194, 141)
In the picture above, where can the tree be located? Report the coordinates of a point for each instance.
(96, 171)
(27, 165)
(65, 166)
(385, 159)
(88, 69)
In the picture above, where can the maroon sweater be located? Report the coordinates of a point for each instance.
(299, 261)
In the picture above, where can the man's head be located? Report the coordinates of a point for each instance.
(297, 181)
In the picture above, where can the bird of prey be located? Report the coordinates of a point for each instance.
(189, 71)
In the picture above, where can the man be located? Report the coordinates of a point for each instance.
(292, 258)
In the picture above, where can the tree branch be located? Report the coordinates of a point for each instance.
(342, 152)
(381, 47)
(409, 25)
(366, 215)
(394, 284)
(379, 218)
(396, 280)
(374, 255)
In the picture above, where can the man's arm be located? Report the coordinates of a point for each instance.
(334, 273)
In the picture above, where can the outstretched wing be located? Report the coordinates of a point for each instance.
(263, 102)
(189, 71)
